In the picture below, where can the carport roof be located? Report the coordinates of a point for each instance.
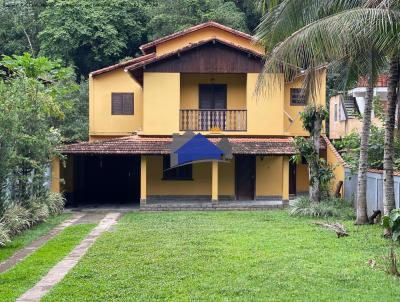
(148, 145)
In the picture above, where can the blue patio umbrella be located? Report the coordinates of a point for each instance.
(198, 148)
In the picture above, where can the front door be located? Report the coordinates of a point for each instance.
(212, 102)
(245, 174)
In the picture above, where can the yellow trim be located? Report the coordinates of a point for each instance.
(214, 194)
(55, 175)
(143, 179)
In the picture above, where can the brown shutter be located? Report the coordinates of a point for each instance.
(116, 103)
(127, 104)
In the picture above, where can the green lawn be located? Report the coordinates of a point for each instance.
(229, 256)
(30, 235)
(29, 271)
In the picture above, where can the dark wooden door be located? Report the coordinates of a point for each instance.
(292, 178)
(212, 96)
(245, 175)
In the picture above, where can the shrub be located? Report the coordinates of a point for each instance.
(16, 219)
(4, 234)
(55, 203)
(330, 207)
(38, 210)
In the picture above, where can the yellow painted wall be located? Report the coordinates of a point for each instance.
(338, 129)
(201, 184)
(236, 89)
(338, 168)
(101, 122)
(204, 34)
(296, 128)
(265, 111)
(269, 176)
(161, 102)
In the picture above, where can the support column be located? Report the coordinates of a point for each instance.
(143, 180)
(285, 180)
(214, 180)
(55, 175)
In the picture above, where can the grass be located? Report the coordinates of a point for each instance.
(229, 256)
(29, 271)
(31, 235)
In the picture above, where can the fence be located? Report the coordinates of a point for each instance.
(374, 189)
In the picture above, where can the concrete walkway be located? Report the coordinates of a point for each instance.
(26, 251)
(58, 272)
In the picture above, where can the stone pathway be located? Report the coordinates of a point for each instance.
(26, 251)
(58, 272)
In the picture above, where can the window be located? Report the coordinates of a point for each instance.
(122, 103)
(336, 112)
(179, 173)
(296, 97)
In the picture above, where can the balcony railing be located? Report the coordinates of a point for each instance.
(215, 119)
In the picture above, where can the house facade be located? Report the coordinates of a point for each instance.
(346, 111)
(202, 80)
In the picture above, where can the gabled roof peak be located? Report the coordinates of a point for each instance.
(149, 47)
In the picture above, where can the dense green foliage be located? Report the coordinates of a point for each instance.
(329, 207)
(349, 147)
(169, 16)
(92, 34)
(15, 281)
(229, 256)
(35, 93)
(392, 222)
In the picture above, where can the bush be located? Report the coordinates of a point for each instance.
(4, 235)
(55, 203)
(16, 218)
(330, 207)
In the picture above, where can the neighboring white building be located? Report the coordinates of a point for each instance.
(345, 112)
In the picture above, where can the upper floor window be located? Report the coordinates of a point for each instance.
(122, 103)
(297, 98)
(179, 173)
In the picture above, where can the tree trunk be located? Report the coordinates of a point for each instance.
(314, 190)
(362, 217)
(390, 120)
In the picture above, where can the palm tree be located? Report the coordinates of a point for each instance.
(390, 120)
(309, 33)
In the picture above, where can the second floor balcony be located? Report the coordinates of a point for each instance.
(213, 119)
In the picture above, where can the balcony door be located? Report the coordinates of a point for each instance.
(212, 96)
(212, 102)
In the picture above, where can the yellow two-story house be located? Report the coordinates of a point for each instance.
(202, 79)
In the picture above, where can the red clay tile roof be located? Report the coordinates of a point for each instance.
(149, 46)
(382, 81)
(395, 173)
(335, 152)
(153, 59)
(160, 145)
(122, 64)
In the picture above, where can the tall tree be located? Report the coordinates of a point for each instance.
(92, 34)
(390, 120)
(307, 34)
(167, 17)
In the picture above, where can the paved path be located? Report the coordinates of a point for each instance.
(26, 251)
(58, 272)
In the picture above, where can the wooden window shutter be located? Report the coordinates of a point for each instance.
(127, 104)
(116, 103)
(122, 104)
